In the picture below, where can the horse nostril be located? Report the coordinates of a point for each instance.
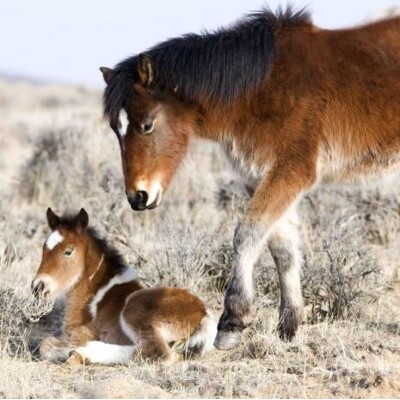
(138, 200)
(37, 287)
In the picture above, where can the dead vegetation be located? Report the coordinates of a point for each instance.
(61, 154)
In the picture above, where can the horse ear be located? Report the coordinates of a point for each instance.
(146, 70)
(52, 219)
(82, 218)
(108, 73)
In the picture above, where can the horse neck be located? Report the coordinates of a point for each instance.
(217, 121)
(96, 274)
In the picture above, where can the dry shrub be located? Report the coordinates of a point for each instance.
(340, 280)
(14, 327)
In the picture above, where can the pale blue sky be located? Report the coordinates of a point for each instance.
(68, 40)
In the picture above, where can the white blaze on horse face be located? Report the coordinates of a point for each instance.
(54, 239)
(123, 122)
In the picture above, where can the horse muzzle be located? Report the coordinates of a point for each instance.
(141, 200)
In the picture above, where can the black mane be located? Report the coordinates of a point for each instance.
(115, 260)
(216, 66)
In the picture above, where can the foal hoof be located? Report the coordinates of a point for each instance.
(75, 359)
(227, 340)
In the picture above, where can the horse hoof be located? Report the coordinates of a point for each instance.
(286, 335)
(226, 340)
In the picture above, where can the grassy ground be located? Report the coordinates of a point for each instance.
(57, 151)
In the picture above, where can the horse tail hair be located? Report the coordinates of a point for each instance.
(203, 338)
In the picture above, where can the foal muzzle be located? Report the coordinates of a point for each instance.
(39, 288)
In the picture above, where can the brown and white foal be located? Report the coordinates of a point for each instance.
(110, 316)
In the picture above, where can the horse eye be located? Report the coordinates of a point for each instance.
(68, 252)
(147, 127)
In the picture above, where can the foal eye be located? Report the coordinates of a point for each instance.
(147, 127)
(68, 252)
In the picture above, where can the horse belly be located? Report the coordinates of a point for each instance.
(335, 167)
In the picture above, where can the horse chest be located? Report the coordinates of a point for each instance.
(244, 162)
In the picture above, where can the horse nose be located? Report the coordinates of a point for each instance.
(138, 200)
(37, 287)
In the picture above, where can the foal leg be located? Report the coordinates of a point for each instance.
(101, 353)
(154, 347)
(55, 349)
(284, 247)
(276, 194)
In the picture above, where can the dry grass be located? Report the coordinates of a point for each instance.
(58, 152)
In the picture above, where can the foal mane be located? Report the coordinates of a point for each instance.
(213, 66)
(115, 261)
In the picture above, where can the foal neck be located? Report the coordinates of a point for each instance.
(104, 267)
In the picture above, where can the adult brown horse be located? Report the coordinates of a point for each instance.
(293, 106)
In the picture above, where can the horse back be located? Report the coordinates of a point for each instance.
(343, 89)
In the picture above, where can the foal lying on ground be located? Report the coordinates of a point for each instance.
(110, 316)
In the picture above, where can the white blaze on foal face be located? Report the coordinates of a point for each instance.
(53, 240)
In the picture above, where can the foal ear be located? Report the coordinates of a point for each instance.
(146, 70)
(82, 219)
(52, 219)
(108, 73)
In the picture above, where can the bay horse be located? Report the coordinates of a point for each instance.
(293, 106)
(110, 315)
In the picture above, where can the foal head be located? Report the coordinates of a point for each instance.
(64, 252)
(153, 130)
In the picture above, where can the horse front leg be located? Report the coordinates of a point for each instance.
(248, 241)
(275, 196)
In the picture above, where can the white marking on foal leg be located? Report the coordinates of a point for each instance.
(248, 241)
(284, 245)
(54, 239)
(124, 122)
(105, 353)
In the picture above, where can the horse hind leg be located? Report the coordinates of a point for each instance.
(284, 247)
